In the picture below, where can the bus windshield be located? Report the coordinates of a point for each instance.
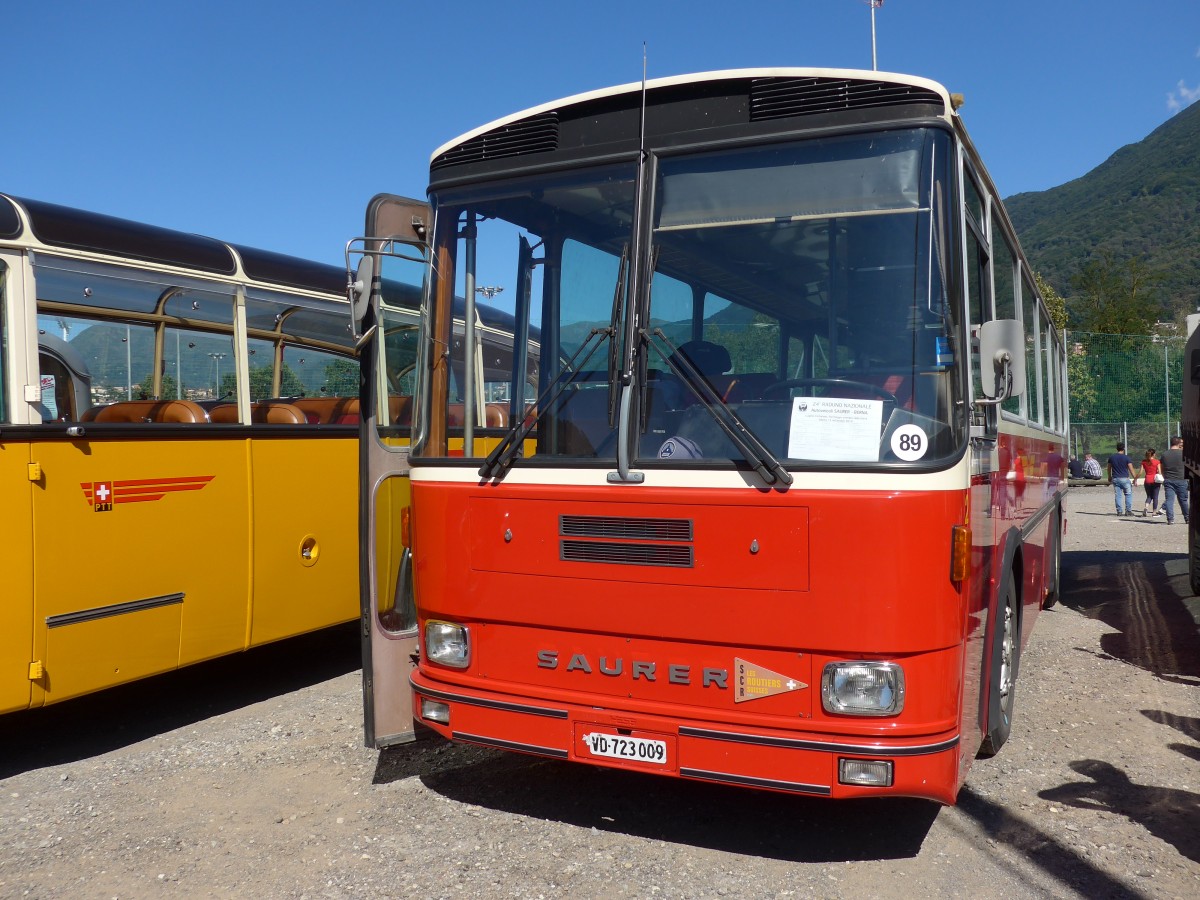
(798, 290)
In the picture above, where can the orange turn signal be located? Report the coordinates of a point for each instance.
(960, 553)
(406, 526)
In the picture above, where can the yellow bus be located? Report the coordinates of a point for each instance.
(178, 450)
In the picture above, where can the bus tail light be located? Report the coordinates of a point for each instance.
(960, 553)
(865, 772)
(862, 688)
(447, 644)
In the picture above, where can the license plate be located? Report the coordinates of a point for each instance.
(619, 746)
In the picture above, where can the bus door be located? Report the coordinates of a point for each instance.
(385, 300)
(17, 664)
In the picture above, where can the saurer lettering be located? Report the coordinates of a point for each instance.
(614, 667)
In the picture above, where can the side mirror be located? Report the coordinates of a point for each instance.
(1001, 360)
(396, 226)
(358, 292)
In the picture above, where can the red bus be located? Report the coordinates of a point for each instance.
(768, 490)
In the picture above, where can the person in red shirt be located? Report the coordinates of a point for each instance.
(1152, 482)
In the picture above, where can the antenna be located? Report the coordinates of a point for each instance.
(642, 134)
(874, 4)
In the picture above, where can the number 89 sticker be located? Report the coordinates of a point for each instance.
(909, 442)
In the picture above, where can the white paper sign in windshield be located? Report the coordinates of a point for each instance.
(834, 428)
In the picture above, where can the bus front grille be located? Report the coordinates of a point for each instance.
(625, 529)
(677, 556)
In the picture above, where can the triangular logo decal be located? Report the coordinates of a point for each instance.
(753, 682)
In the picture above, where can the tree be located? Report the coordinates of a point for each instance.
(341, 378)
(144, 390)
(1115, 297)
(1055, 304)
(261, 384)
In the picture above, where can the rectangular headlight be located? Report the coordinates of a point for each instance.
(446, 644)
(862, 688)
(865, 772)
(435, 711)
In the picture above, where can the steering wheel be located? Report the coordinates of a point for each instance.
(787, 384)
(395, 379)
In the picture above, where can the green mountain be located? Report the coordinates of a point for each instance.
(1142, 202)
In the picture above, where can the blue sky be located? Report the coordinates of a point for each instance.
(272, 124)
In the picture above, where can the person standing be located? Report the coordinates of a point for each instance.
(1121, 477)
(1152, 480)
(1174, 480)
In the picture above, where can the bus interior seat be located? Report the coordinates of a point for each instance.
(325, 410)
(263, 412)
(157, 411)
(400, 407)
(495, 415)
(223, 414)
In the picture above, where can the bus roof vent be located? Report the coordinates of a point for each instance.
(777, 98)
(536, 134)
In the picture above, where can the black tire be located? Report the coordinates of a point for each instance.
(1006, 646)
(1054, 564)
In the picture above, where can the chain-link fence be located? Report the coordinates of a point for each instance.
(1124, 388)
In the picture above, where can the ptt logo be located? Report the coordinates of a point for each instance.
(102, 495)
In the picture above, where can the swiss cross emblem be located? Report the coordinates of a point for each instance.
(102, 496)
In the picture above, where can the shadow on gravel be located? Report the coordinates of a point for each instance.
(1141, 595)
(88, 726)
(1185, 725)
(1170, 814)
(732, 820)
(1053, 856)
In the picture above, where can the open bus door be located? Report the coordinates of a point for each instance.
(385, 292)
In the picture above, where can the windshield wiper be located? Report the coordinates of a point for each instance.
(747, 443)
(506, 451)
(618, 312)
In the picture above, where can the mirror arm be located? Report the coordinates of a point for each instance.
(1003, 362)
(364, 338)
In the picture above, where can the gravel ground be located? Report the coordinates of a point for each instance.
(247, 777)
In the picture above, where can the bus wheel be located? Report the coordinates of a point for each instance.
(1054, 564)
(1003, 682)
